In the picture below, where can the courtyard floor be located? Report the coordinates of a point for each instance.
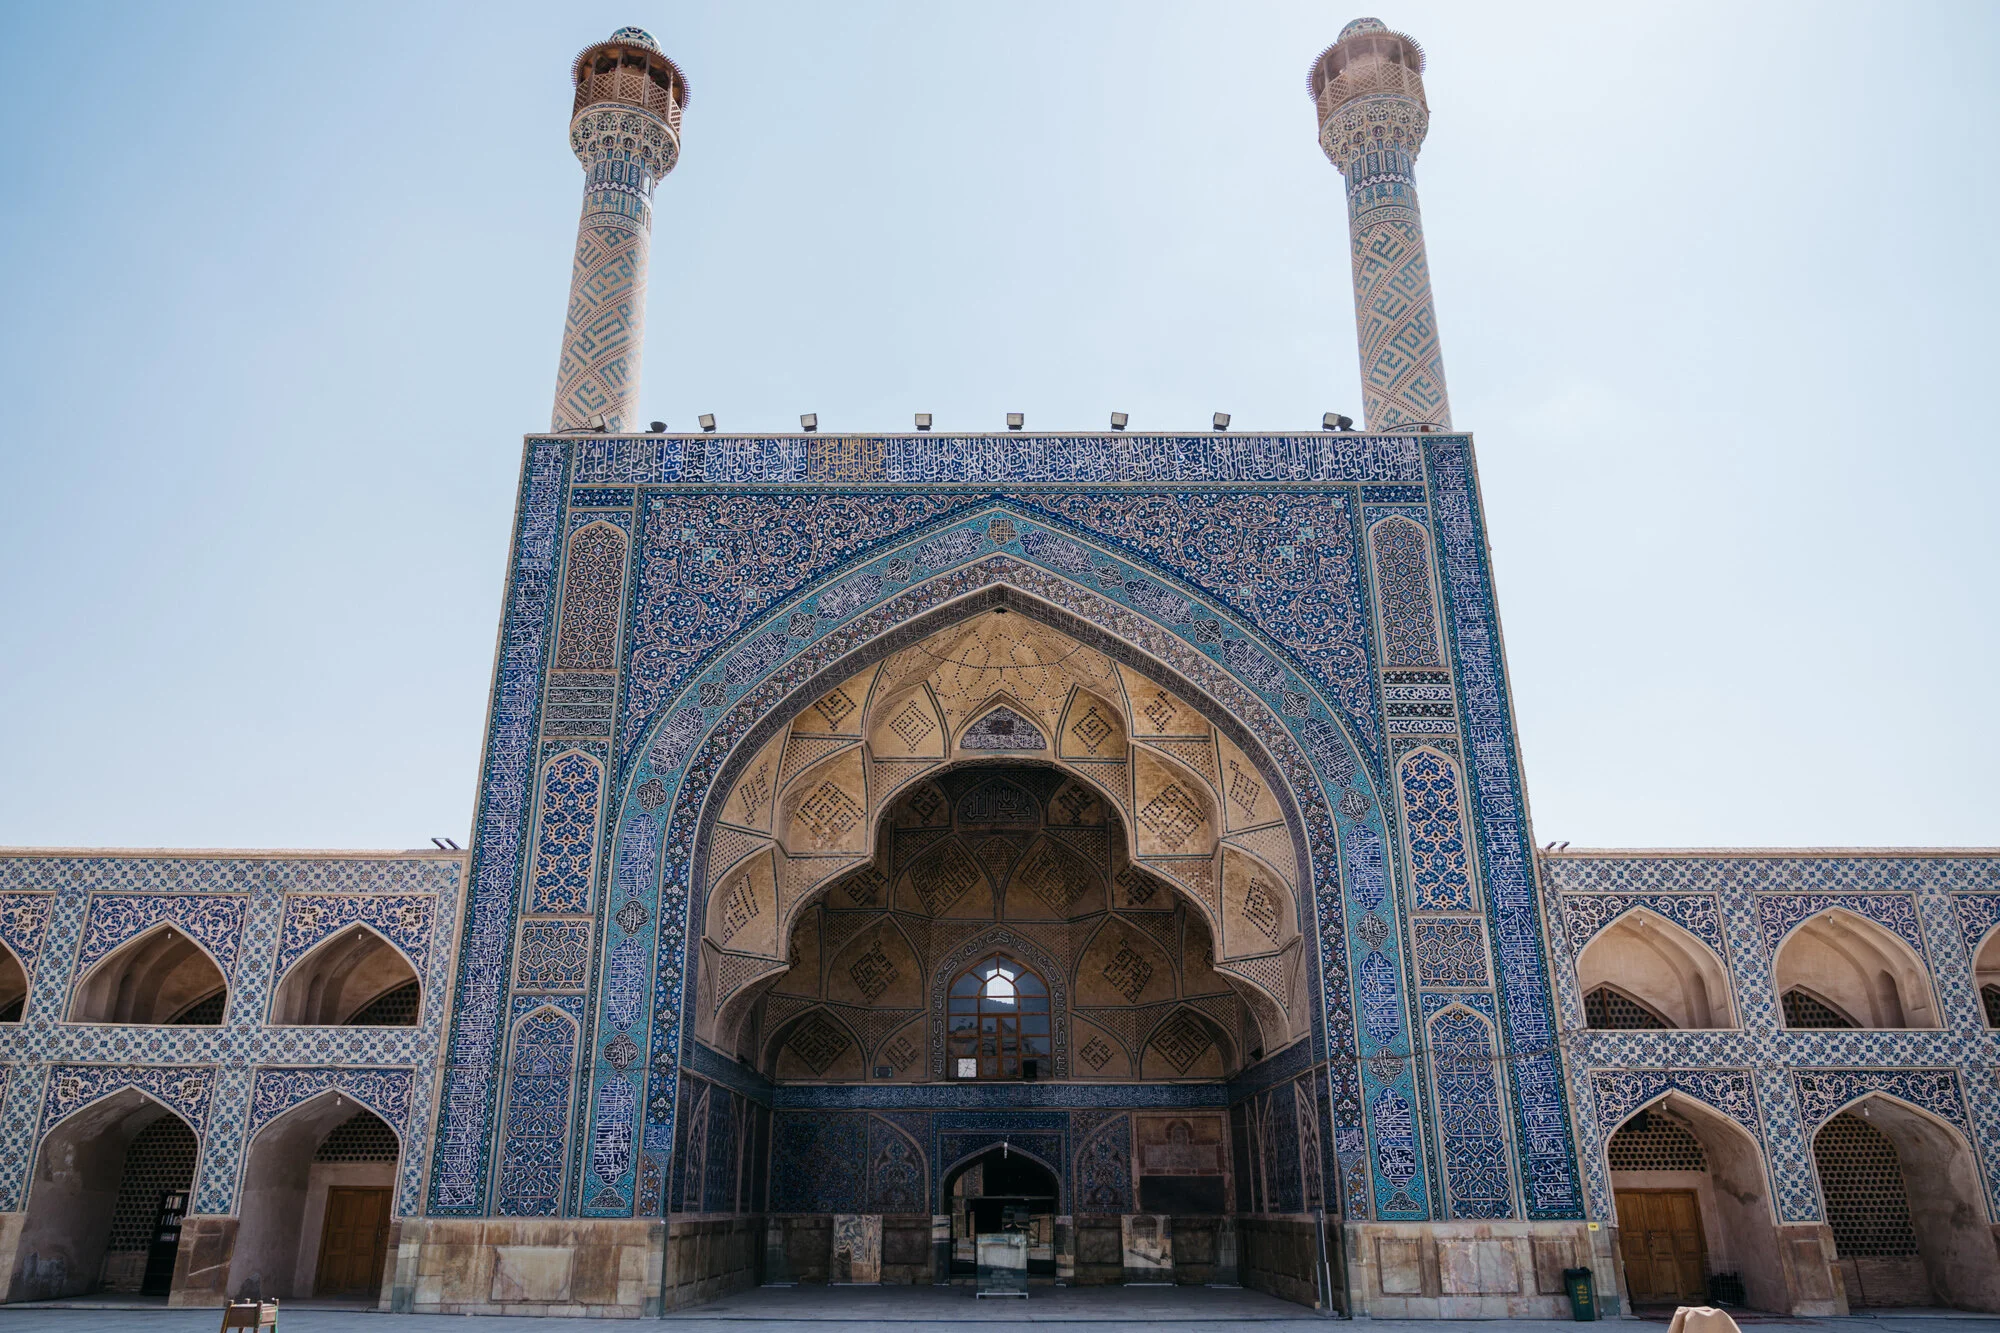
(890, 1310)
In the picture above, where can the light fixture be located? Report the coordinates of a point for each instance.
(656, 427)
(1118, 420)
(595, 421)
(1221, 420)
(1335, 421)
(923, 421)
(1015, 421)
(809, 421)
(708, 421)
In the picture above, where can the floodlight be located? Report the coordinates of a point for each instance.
(1118, 420)
(809, 421)
(1015, 421)
(708, 421)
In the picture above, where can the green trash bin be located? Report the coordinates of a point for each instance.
(1582, 1289)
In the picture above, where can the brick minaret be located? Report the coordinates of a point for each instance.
(1370, 90)
(626, 130)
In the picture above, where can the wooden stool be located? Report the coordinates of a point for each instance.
(249, 1314)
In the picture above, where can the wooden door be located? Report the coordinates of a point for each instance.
(1659, 1235)
(353, 1243)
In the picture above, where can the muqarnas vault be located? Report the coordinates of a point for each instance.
(883, 840)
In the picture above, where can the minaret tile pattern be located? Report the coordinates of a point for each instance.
(1369, 88)
(626, 130)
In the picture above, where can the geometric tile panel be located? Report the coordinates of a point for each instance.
(257, 914)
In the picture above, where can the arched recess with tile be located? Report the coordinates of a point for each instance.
(162, 976)
(102, 1176)
(1644, 971)
(1901, 1191)
(318, 1182)
(1693, 1199)
(1841, 970)
(999, 787)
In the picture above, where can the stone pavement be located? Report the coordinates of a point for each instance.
(900, 1310)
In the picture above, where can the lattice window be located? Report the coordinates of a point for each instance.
(999, 1013)
(203, 1013)
(1805, 1010)
(1653, 1141)
(1862, 1182)
(160, 1160)
(362, 1137)
(1614, 1010)
(391, 1009)
(1988, 996)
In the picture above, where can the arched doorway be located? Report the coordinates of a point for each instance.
(318, 1186)
(106, 1179)
(1003, 1189)
(1693, 1205)
(1902, 1197)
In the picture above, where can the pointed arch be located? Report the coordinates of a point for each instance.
(948, 1174)
(1931, 1245)
(155, 978)
(593, 592)
(80, 1201)
(1660, 965)
(1986, 976)
(1858, 968)
(816, 1043)
(13, 985)
(349, 971)
(1732, 1186)
(1180, 1044)
(678, 760)
(277, 1242)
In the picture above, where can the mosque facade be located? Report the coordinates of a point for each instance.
(1116, 838)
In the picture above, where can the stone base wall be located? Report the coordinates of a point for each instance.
(201, 1264)
(570, 1266)
(709, 1257)
(1278, 1255)
(1474, 1270)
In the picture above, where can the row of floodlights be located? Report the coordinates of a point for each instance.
(809, 421)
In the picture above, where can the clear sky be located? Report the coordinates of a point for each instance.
(281, 288)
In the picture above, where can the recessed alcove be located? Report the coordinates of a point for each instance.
(355, 977)
(161, 977)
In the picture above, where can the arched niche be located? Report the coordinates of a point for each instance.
(1857, 969)
(354, 976)
(1986, 977)
(160, 977)
(809, 819)
(13, 986)
(1660, 965)
(89, 1195)
(1911, 1232)
(328, 1162)
(1680, 1143)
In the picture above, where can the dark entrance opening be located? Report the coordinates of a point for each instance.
(1003, 1190)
